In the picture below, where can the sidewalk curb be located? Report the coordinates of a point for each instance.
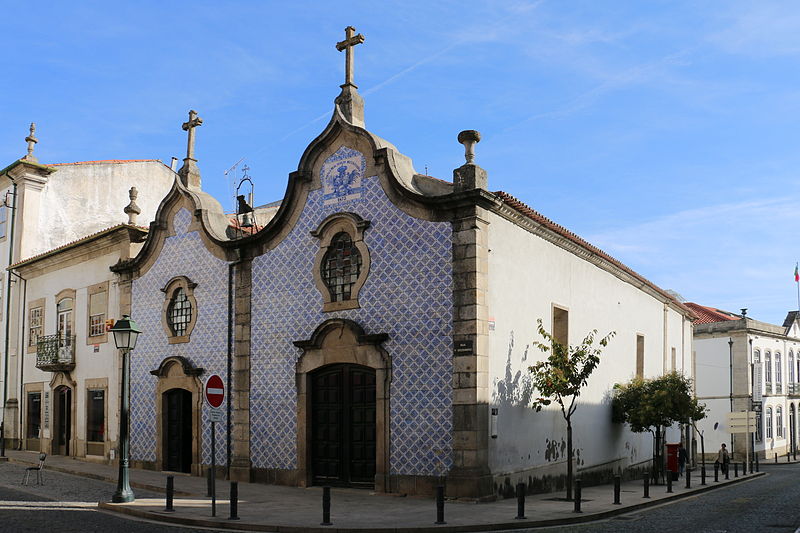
(98, 477)
(516, 524)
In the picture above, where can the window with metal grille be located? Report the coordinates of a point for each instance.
(341, 267)
(179, 313)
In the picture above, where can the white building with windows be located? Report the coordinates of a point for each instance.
(44, 207)
(738, 360)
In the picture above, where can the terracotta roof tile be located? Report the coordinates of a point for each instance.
(534, 215)
(105, 161)
(708, 315)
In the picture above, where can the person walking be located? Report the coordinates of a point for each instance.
(723, 458)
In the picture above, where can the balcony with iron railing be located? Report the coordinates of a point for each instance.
(778, 387)
(793, 389)
(55, 353)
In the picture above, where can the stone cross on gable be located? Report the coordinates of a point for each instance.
(31, 140)
(189, 126)
(351, 39)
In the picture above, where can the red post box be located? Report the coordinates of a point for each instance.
(672, 459)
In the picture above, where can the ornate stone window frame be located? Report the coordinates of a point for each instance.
(354, 226)
(188, 287)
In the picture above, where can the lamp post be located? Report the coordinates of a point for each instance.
(125, 334)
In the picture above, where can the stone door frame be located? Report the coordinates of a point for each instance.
(341, 341)
(177, 372)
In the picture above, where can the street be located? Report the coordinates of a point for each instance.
(766, 504)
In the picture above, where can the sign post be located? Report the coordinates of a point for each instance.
(743, 422)
(215, 395)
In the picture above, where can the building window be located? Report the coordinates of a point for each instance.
(790, 365)
(768, 416)
(64, 323)
(779, 421)
(778, 373)
(34, 425)
(95, 415)
(639, 356)
(759, 426)
(768, 371)
(674, 360)
(3, 221)
(561, 326)
(179, 314)
(342, 263)
(35, 322)
(98, 305)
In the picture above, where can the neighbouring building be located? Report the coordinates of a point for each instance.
(741, 361)
(377, 330)
(44, 207)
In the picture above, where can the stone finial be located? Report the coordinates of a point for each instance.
(189, 173)
(31, 140)
(132, 210)
(349, 102)
(469, 175)
(469, 138)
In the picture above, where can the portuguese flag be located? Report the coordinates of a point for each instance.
(796, 273)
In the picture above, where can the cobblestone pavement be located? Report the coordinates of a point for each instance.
(64, 503)
(763, 505)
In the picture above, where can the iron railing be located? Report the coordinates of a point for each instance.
(55, 353)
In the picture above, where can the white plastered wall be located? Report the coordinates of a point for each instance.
(527, 276)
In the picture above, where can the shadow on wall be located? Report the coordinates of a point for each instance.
(531, 447)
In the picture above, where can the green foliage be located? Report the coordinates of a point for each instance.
(566, 370)
(647, 404)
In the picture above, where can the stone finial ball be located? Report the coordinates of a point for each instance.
(469, 135)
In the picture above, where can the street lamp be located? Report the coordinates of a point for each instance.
(125, 334)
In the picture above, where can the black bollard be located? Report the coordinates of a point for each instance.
(520, 502)
(776, 457)
(2, 439)
(646, 485)
(744, 468)
(794, 452)
(788, 458)
(716, 472)
(703, 474)
(440, 505)
(234, 501)
(751, 466)
(577, 495)
(757, 470)
(326, 507)
(208, 483)
(170, 493)
(617, 486)
(735, 470)
(688, 479)
(669, 482)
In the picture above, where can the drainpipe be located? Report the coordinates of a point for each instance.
(231, 269)
(8, 307)
(21, 405)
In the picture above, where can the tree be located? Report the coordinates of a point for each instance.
(655, 404)
(562, 375)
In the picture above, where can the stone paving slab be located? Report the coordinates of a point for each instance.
(295, 510)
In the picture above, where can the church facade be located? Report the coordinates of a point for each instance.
(377, 330)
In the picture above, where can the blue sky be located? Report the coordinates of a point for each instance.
(664, 132)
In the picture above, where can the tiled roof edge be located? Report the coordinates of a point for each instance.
(534, 215)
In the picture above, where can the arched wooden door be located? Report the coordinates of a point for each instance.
(177, 434)
(343, 425)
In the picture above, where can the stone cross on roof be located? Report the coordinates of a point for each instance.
(189, 126)
(31, 140)
(189, 173)
(351, 39)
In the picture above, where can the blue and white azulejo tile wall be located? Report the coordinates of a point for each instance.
(183, 254)
(408, 295)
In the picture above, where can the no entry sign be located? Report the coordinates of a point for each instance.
(215, 391)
